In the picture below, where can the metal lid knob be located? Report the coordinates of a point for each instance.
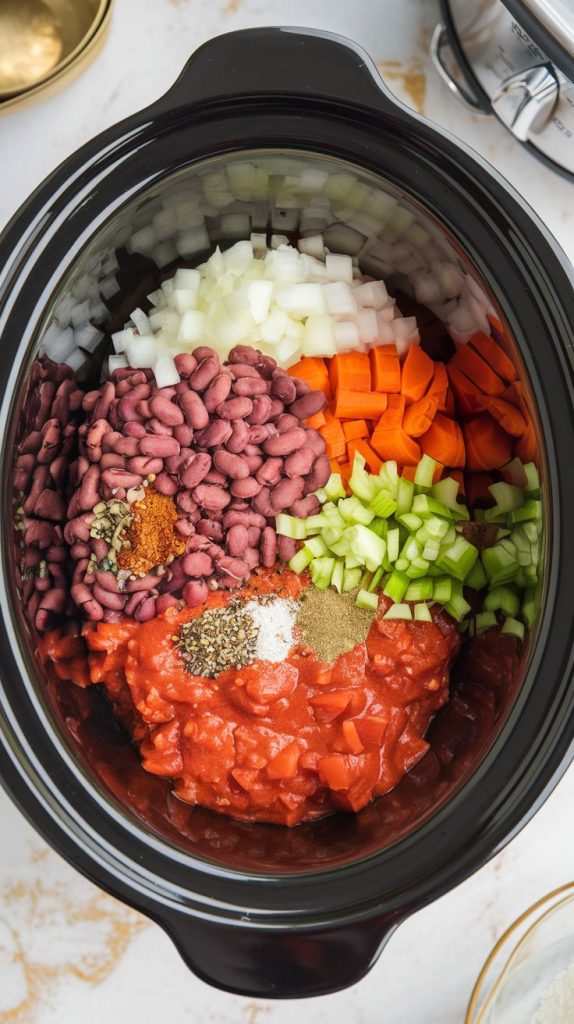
(525, 100)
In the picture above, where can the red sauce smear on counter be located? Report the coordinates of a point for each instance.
(276, 742)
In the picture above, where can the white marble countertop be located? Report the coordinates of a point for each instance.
(69, 952)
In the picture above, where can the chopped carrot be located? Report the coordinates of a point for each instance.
(439, 386)
(316, 421)
(393, 416)
(487, 445)
(284, 764)
(385, 368)
(371, 458)
(527, 447)
(350, 371)
(408, 472)
(467, 397)
(509, 416)
(328, 706)
(371, 729)
(351, 737)
(494, 355)
(449, 405)
(458, 475)
(397, 445)
(345, 469)
(419, 416)
(477, 370)
(335, 465)
(313, 370)
(516, 395)
(477, 485)
(496, 326)
(334, 772)
(418, 371)
(353, 429)
(350, 405)
(333, 436)
(444, 442)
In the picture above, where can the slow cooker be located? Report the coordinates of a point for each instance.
(514, 59)
(244, 141)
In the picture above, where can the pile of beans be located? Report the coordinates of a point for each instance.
(51, 411)
(228, 444)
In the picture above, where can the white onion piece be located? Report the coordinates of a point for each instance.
(260, 294)
(385, 332)
(75, 360)
(340, 299)
(344, 239)
(319, 337)
(278, 240)
(140, 321)
(60, 344)
(116, 362)
(301, 299)
(406, 327)
(88, 337)
(259, 244)
(121, 339)
(165, 371)
(346, 335)
(141, 351)
(368, 326)
(372, 294)
(312, 245)
(339, 268)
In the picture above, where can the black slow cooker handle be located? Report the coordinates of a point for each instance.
(264, 62)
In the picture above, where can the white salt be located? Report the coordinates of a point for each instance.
(557, 1003)
(275, 621)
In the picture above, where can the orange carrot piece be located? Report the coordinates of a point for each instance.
(439, 386)
(313, 370)
(333, 436)
(477, 485)
(449, 405)
(345, 469)
(385, 369)
(371, 729)
(488, 446)
(334, 771)
(371, 458)
(494, 355)
(516, 395)
(496, 325)
(408, 472)
(477, 370)
(350, 371)
(467, 397)
(284, 764)
(509, 416)
(526, 447)
(397, 445)
(349, 405)
(351, 736)
(419, 416)
(444, 442)
(458, 475)
(316, 421)
(418, 371)
(353, 429)
(393, 416)
(328, 706)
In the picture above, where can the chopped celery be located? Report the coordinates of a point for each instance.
(380, 527)
(366, 579)
(417, 568)
(401, 564)
(396, 586)
(529, 606)
(514, 473)
(476, 578)
(411, 522)
(499, 564)
(317, 546)
(506, 496)
(353, 511)
(424, 472)
(442, 589)
(362, 484)
(446, 492)
(366, 600)
(320, 495)
(512, 627)
(436, 528)
(389, 476)
(458, 559)
(383, 505)
(330, 535)
(532, 486)
(532, 509)
(301, 559)
(351, 579)
(337, 576)
(341, 546)
(420, 590)
(314, 524)
(321, 571)
(502, 599)
(405, 494)
(352, 562)
(458, 607)
(531, 532)
(335, 488)
(495, 515)
(431, 550)
(425, 505)
(484, 620)
(290, 526)
(366, 545)
(393, 540)
(411, 549)
(531, 574)
(399, 611)
(376, 579)
(449, 537)
(422, 613)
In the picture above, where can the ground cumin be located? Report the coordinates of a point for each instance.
(151, 537)
(330, 623)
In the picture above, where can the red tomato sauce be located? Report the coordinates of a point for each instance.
(276, 742)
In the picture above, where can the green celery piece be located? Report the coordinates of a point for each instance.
(351, 562)
(335, 488)
(536, 554)
(524, 558)
(512, 627)
(399, 611)
(301, 559)
(503, 532)
(366, 579)
(446, 492)
(484, 620)
(402, 564)
(321, 570)
(422, 613)
(458, 607)
(396, 586)
(420, 590)
(514, 472)
(365, 544)
(340, 547)
(431, 550)
(458, 559)
(418, 568)
(531, 532)
(411, 549)
(532, 487)
(366, 600)
(476, 578)
(314, 524)
(502, 599)
(532, 509)
(507, 544)
(531, 574)
(530, 606)
(334, 517)
(320, 495)
(383, 505)
(317, 547)
(353, 511)
(499, 565)
(389, 476)
(405, 495)
(362, 484)
(330, 535)
(442, 589)
(520, 538)
(506, 496)
(424, 505)
(410, 522)
(424, 473)
(337, 576)
(376, 579)
(351, 579)
(495, 514)
(393, 539)
(290, 526)
(449, 537)
(380, 527)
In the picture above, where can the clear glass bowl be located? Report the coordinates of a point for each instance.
(531, 968)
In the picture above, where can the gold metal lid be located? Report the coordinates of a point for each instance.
(45, 43)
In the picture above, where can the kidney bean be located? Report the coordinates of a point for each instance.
(112, 461)
(215, 552)
(50, 505)
(93, 610)
(197, 564)
(39, 534)
(164, 484)
(107, 599)
(89, 401)
(245, 488)
(45, 397)
(185, 502)
(233, 571)
(58, 470)
(211, 496)
(309, 404)
(286, 548)
(314, 441)
(23, 471)
(89, 494)
(216, 433)
(257, 434)
(270, 472)
(304, 507)
(134, 602)
(133, 429)
(165, 601)
(195, 413)
(196, 543)
(209, 529)
(217, 391)
(261, 413)
(230, 464)
(78, 529)
(51, 436)
(236, 517)
(97, 431)
(283, 387)
(183, 434)
(113, 478)
(185, 363)
(237, 540)
(250, 387)
(243, 354)
(80, 550)
(54, 601)
(268, 547)
(127, 446)
(319, 474)
(110, 440)
(195, 469)
(31, 443)
(184, 528)
(127, 405)
(206, 371)
(59, 553)
(158, 447)
(277, 408)
(235, 408)
(155, 426)
(252, 557)
(301, 387)
(138, 377)
(100, 548)
(148, 582)
(299, 463)
(215, 477)
(166, 411)
(102, 406)
(122, 385)
(240, 370)
(195, 593)
(254, 462)
(253, 535)
(238, 438)
(261, 503)
(144, 465)
(284, 444)
(286, 492)
(80, 593)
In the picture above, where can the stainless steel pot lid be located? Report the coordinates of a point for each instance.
(515, 58)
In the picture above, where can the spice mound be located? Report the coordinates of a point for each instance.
(150, 539)
(330, 623)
